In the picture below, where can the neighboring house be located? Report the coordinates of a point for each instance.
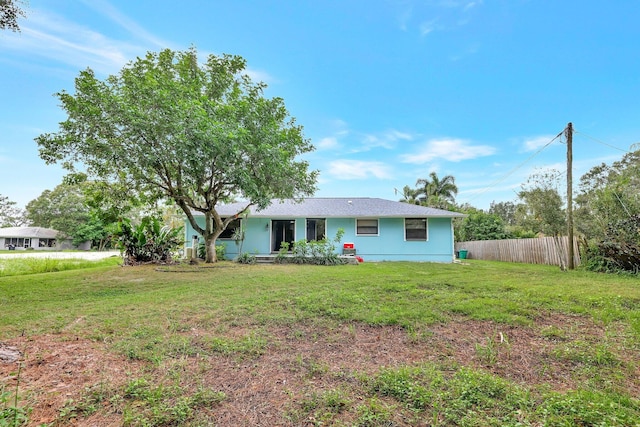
(38, 238)
(380, 230)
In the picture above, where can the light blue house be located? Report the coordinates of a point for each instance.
(380, 230)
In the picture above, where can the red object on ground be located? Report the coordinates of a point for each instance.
(359, 258)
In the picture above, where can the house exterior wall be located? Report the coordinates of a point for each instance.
(388, 245)
(35, 245)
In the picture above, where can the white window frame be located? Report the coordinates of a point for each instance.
(368, 234)
(47, 243)
(18, 242)
(426, 230)
(306, 224)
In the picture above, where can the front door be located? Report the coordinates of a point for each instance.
(282, 231)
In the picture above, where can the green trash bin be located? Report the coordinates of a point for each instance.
(463, 253)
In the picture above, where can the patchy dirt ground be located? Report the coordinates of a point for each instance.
(300, 360)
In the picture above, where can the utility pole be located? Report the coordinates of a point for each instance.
(569, 135)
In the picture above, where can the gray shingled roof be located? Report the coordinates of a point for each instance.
(339, 207)
(31, 232)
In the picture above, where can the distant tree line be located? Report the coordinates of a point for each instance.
(79, 209)
(606, 212)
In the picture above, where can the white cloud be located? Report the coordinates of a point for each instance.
(259, 75)
(124, 21)
(387, 139)
(443, 15)
(404, 17)
(50, 36)
(428, 27)
(470, 50)
(358, 169)
(471, 5)
(327, 143)
(459, 4)
(358, 142)
(395, 135)
(534, 143)
(453, 150)
(46, 35)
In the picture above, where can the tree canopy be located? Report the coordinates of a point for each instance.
(410, 195)
(505, 210)
(82, 210)
(608, 214)
(437, 192)
(479, 225)
(10, 215)
(63, 209)
(194, 133)
(608, 194)
(542, 208)
(9, 12)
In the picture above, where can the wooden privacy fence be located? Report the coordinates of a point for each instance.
(541, 250)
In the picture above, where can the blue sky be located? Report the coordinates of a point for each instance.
(387, 90)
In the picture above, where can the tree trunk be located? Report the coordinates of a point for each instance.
(210, 247)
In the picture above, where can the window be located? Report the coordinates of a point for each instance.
(17, 242)
(47, 243)
(231, 228)
(415, 229)
(366, 227)
(316, 229)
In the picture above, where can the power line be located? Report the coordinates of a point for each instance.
(512, 171)
(601, 142)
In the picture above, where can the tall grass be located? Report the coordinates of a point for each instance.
(23, 266)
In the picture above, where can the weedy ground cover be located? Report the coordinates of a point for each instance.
(377, 344)
(20, 266)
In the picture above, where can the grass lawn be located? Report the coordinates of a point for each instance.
(379, 344)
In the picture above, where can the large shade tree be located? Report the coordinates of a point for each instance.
(82, 210)
(608, 214)
(10, 214)
(541, 210)
(479, 225)
(505, 210)
(64, 209)
(608, 194)
(195, 133)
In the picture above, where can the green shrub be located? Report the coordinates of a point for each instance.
(147, 242)
(318, 252)
(246, 258)
(221, 251)
(619, 251)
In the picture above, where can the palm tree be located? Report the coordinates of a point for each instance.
(437, 192)
(410, 195)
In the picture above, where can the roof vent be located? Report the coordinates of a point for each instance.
(350, 202)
